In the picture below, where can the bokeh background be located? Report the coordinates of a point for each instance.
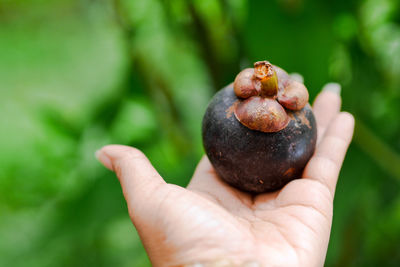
(76, 75)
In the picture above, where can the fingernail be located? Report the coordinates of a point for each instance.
(297, 77)
(104, 159)
(333, 87)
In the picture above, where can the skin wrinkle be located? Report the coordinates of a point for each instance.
(327, 217)
(211, 221)
(116, 168)
(254, 216)
(327, 193)
(326, 161)
(253, 229)
(339, 142)
(216, 251)
(195, 242)
(201, 242)
(209, 196)
(162, 201)
(316, 205)
(326, 179)
(279, 228)
(227, 211)
(128, 156)
(215, 199)
(291, 205)
(304, 182)
(267, 201)
(227, 208)
(253, 202)
(304, 223)
(250, 221)
(320, 134)
(156, 188)
(242, 199)
(292, 246)
(255, 235)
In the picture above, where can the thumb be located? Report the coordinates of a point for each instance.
(139, 180)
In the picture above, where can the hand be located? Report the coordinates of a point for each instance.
(211, 221)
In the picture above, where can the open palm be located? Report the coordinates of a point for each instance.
(210, 221)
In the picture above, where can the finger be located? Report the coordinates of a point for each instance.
(137, 176)
(325, 165)
(326, 106)
(297, 77)
(203, 174)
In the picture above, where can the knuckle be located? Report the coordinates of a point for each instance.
(324, 163)
(337, 141)
(326, 166)
(318, 190)
(130, 155)
(135, 154)
(126, 159)
(323, 169)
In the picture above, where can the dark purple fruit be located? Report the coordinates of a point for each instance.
(260, 133)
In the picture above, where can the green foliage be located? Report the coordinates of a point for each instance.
(76, 75)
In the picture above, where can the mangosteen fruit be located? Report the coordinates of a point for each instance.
(260, 132)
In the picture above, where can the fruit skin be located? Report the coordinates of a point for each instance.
(254, 161)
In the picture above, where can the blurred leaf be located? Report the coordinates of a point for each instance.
(76, 75)
(135, 123)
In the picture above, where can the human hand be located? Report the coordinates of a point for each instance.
(210, 222)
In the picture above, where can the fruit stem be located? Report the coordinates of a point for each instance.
(265, 73)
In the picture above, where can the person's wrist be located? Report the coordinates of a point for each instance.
(223, 263)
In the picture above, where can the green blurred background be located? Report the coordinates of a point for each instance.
(76, 75)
